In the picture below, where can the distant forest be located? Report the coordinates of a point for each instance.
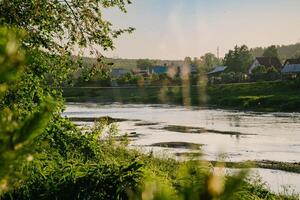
(132, 63)
(285, 52)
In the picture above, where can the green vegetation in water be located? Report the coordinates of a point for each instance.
(189, 154)
(146, 124)
(180, 145)
(95, 119)
(259, 96)
(184, 129)
(128, 136)
(289, 167)
(266, 164)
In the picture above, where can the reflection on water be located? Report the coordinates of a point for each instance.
(240, 135)
(255, 136)
(234, 120)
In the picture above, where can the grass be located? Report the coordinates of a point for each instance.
(260, 96)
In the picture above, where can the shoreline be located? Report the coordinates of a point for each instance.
(256, 97)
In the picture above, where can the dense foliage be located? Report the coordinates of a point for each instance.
(18, 126)
(284, 51)
(54, 31)
(239, 59)
(271, 51)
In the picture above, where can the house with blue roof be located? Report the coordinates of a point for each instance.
(159, 70)
(217, 70)
(291, 66)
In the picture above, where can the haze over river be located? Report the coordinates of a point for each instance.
(239, 135)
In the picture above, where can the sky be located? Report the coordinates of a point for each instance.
(174, 29)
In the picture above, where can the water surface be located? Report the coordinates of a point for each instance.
(239, 136)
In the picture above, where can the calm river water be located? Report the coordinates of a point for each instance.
(238, 135)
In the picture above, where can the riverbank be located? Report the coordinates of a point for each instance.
(275, 96)
(260, 96)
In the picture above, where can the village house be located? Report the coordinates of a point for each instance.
(217, 71)
(291, 67)
(214, 75)
(159, 70)
(267, 62)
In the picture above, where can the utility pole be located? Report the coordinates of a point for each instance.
(218, 52)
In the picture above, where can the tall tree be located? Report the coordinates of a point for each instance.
(188, 60)
(296, 54)
(62, 26)
(239, 59)
(56, 30)
(271, 51)
(62, 29)
(209, 60)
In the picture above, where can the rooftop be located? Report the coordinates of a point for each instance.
(269, 62)
(291, 68)
(217, 69)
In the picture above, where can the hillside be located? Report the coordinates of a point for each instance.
(130, 63)
(285, 51)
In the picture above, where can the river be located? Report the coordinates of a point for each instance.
(238, 136)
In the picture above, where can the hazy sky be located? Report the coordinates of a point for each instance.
(173, 29)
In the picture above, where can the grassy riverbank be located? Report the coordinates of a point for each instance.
(260, 96)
